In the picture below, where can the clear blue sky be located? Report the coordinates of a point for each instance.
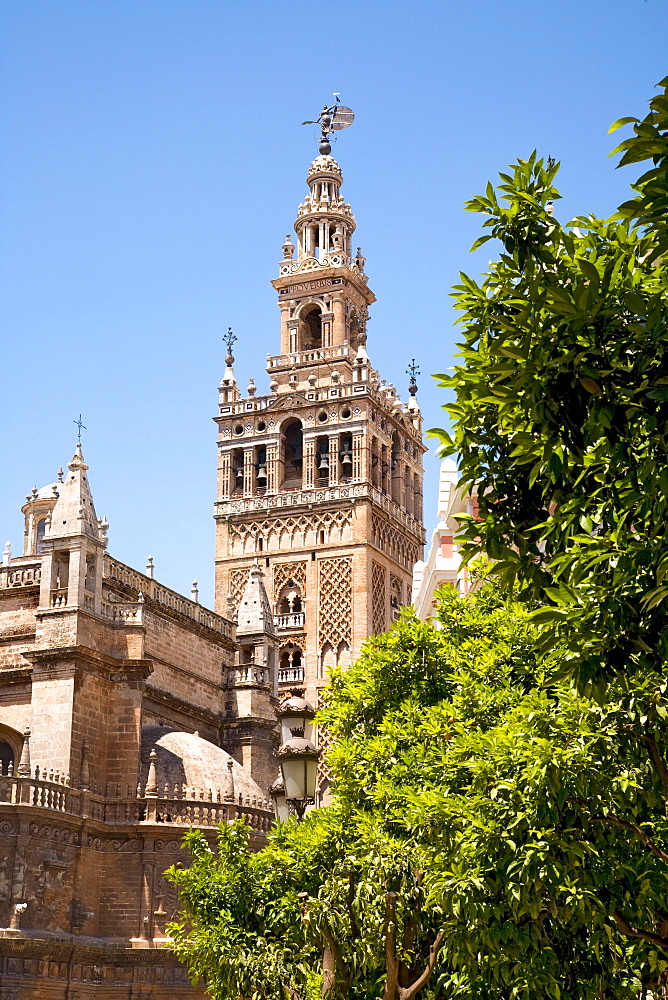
(152, 161)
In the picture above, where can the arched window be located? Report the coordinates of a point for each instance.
(310, 330)
(293, 450)
(6, 757)
(346, 458)
(395, 469)
(322, 460)
(237, 471)
(39, 537)
(289, 599)
(291, 666)
(261, 468)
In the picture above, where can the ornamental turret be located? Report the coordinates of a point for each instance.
(323, 290)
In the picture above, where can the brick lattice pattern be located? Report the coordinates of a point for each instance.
(335, 590)
(378, 618)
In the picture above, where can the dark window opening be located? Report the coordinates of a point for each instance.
(6, 757)
(41, 528)
(293, 451)
(312, 330)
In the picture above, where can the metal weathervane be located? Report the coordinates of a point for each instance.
(332, 120)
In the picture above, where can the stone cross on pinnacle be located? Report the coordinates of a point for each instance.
(80, 426)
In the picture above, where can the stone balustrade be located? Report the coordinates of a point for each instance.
(290, 675)
(25, 575)
(310, 357)
(294, 620)
(124, 612)
(315, 495)
(58, 597)
(180, 805)
(250, 673)
(118, 572)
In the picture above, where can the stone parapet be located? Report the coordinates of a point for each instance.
(117, 572)
(44, 795)
(306, 498)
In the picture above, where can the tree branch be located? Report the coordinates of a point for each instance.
(410, 992)
(390, 931)
(647, 841)
(659, 764)
(354, 929)
(636, 932)
(335, 952)
(410, 930)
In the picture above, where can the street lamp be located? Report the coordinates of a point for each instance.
(295, 713)
(281, 805)
(299, 764)
(297, 756)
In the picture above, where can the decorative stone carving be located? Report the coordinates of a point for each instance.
(378, 614)
(335, 584)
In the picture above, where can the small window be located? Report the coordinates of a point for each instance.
(239, 429)
(41, 528)
(6, 757)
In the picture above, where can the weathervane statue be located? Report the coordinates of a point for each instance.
(331, 120)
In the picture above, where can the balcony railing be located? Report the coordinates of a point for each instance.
(290, 675)
(59, 597)
(251, 673)
(295, 620)
(178, 805)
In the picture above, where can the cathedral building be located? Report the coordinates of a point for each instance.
(129, 712)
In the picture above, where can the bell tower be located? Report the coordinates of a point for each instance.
(320, 480)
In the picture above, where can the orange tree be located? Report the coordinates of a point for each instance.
(476, 846)
(561, 420)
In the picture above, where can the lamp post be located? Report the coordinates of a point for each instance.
(277, 792)
(297, 756)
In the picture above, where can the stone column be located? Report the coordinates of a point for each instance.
(327, 328)
(285, 332)
(249, 471)
(77, 576)
(338, 321)
(359, 463)
(293, 339)
(272, 468)
(225, 475)
(333, 459)
(308, 477)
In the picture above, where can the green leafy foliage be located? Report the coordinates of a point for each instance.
(475, 809)
(561, 411)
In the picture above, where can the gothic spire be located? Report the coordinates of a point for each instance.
(74, 512)
(255, 614)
